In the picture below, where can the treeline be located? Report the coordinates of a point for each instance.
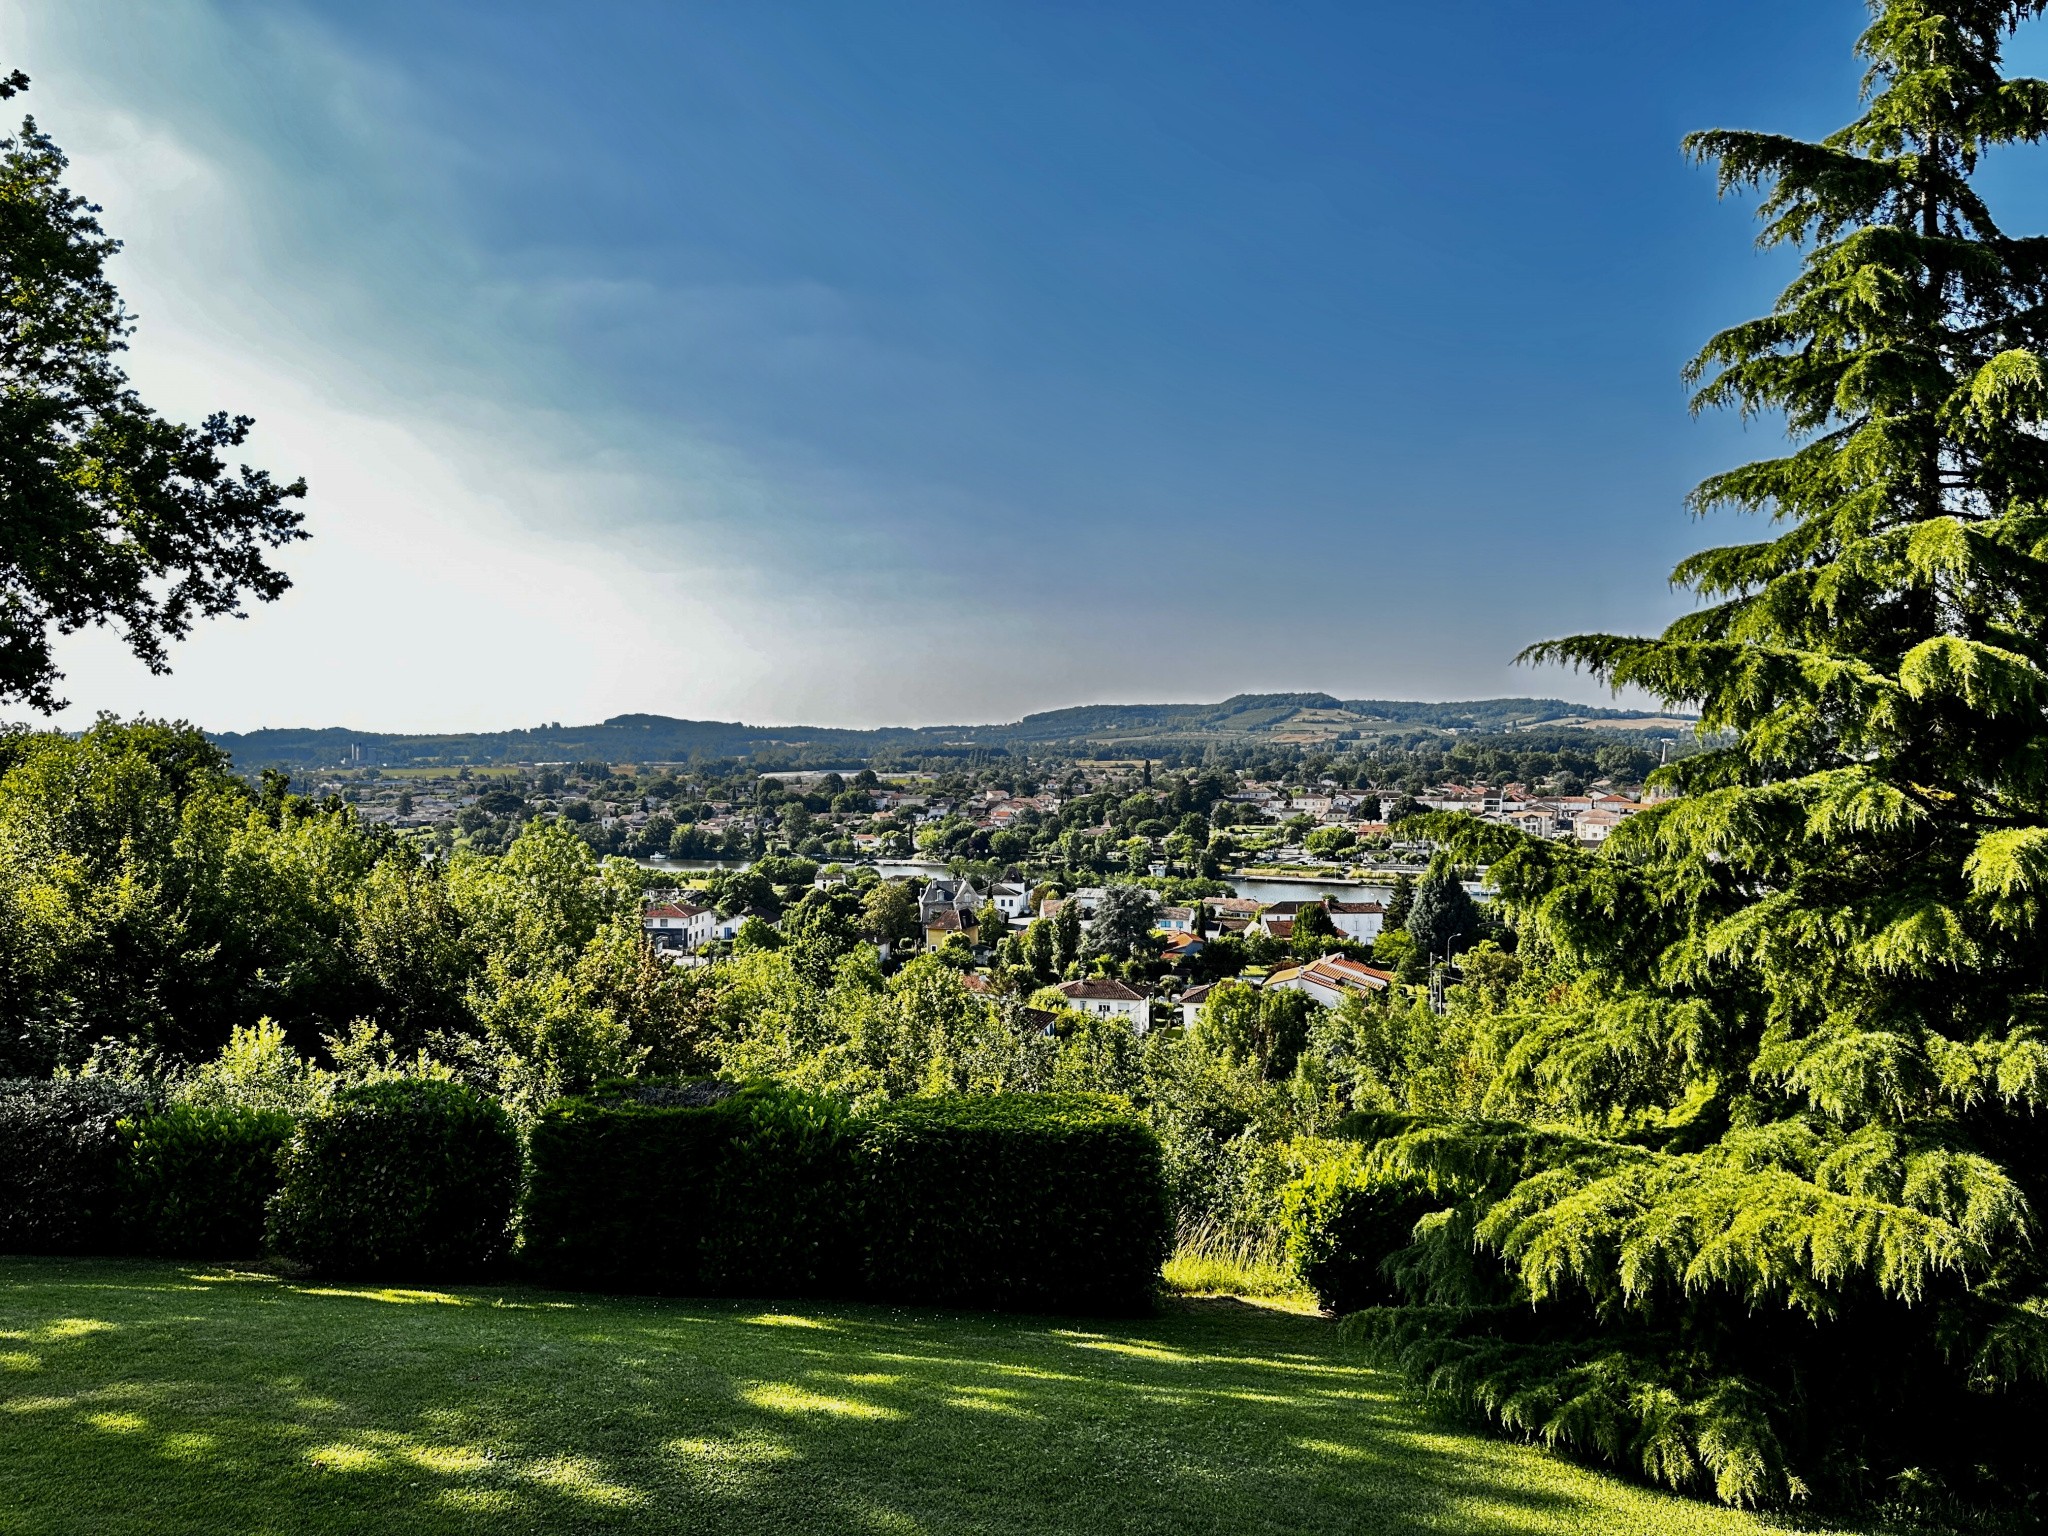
(150, 898)
(1084, 731)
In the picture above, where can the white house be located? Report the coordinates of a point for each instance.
(1277, 919)
(1360, 920)
(1107, 998)
(1191, 1002)
(1330, 980)
(1595, 826)
(681, 925)
(1011, 899)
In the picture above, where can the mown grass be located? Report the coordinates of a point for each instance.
(165, 1399)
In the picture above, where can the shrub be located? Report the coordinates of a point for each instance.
(198, 1178)
(1343, 1218)
(782, 1202)
(697, 1187)
(404, 1179)
(60, 1162)
(1022, 1201)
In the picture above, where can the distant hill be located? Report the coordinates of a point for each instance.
(1277, 719)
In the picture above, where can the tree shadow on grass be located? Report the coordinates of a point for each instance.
(161, 1399)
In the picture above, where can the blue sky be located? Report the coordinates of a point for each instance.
(927, 362)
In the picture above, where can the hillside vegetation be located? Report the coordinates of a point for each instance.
(1276, 718)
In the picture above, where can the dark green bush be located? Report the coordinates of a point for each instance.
(692, 1188)
(404, 1180)
(1053, 1202)
(61, 1159)
(1342, 1219)
(197, 1180)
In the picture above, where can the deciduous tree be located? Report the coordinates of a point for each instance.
(109, 514)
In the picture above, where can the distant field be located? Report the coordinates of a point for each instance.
(481, 771)
(163, 1400)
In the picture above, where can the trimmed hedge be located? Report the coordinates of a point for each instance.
(61, 1163)
(197, 1180)
(1053, 1202)
(408, 1179)
(1343, 1219)
(692, 1188)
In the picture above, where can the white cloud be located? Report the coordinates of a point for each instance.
(477, 560)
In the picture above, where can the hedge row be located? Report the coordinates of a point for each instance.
(62, 1161)
(1049, 1201)
(726, 1191)
(403, 1178)
(1053, 1202)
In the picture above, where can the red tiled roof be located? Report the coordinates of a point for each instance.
(672, 910)
(1100, 989)
(1351, 971)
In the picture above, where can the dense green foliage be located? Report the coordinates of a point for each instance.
(150, 898)
(652, 1188)
(1048, 1202)
(196, 1181)
(406, 1180)
(1344, 1218)
(109, 513)
(62, 1153)
(1744, 1177)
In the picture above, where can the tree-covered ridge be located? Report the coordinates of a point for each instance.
(1163, 728)
(1752, 1196)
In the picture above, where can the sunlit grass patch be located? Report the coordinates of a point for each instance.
(733, 1450)
(61, 1331)
(343, 1457)
(1143, 1349)
(117, 1423)
(390, 1294)
(987, 1400)
(449, 1460)
(787, 1397)
(582, 1478)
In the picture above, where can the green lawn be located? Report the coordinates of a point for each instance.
(164, 1399)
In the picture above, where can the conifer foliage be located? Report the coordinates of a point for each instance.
(1757, 1208)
